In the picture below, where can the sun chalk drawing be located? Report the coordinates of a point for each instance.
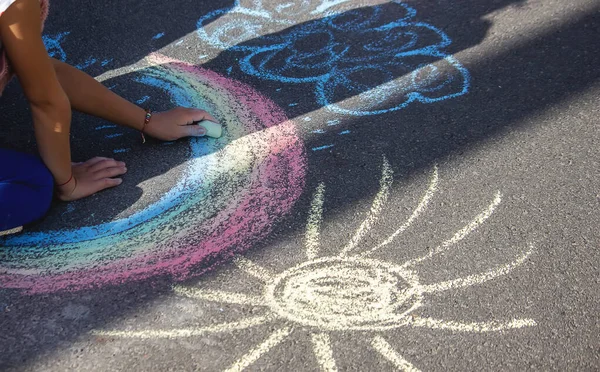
(232, 192)
(349, 291)
(398, 61)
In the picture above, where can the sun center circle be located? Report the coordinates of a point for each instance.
(342, 294)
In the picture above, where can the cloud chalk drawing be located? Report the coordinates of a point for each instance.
(233, 190)
(399, 60)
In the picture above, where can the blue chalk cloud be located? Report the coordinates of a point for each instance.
(365, 61)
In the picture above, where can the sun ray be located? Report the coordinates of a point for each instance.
(187, 332)
(219, 296)
(313, 224)
(462, 233)
(253, 269)
(323, 352)
(253, 355)
(388, 352)
(387, 177)
(420, 208)
(479, 327)
(477, 278)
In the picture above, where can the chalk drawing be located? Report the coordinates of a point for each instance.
(399, 60)
(87, 63)
(54, 47)
(345, 292)
(100, 127)
(106, 62)
(142, 100)
(324, 147)
(232, 191)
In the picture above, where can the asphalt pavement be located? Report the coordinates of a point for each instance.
(399, 186)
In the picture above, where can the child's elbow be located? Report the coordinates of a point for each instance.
(57, 101)
(53, 113)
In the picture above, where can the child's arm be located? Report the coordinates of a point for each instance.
(20, 29)
(89, 96)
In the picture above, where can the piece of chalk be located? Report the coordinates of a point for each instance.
(213, 130)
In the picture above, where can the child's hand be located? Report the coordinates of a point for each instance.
(177, 123)
(90, 177)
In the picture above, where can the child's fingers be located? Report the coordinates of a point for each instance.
(199, 115)
(193, 130)
(110, 172)
(94, 160)
(106, 183)
(106, 163)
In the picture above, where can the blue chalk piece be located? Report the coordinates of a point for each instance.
(142, 100)
(114, 135)
(203, 56)
(118, 151)
(158, 36)
(344, 132)
(179, 42)
(105, 127)
(320, 131)
(112, 87)
(106, 62)
(278, 89)
(322, 147)
(333, 122)
(293, 104)
(229, 70)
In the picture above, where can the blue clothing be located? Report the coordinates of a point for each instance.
(26, 189)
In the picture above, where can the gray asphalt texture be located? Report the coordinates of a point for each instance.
(528, 128)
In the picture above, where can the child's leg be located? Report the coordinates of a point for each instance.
(26, 189)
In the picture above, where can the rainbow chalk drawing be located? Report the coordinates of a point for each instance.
(349, 291)
(232, 192)
(398, 61)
